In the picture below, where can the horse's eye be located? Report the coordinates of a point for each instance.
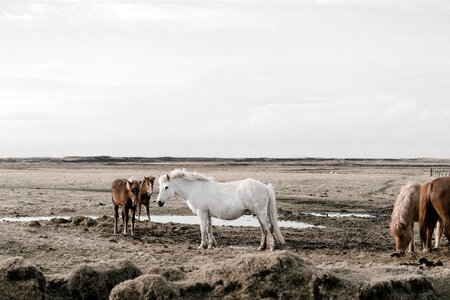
(166, 187)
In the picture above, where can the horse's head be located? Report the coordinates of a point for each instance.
(166, 190)
(133, 187)
(147, 185)
(402, 236)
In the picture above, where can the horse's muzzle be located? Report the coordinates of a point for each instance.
(160, 204)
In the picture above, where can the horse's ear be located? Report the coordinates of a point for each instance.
(152, 179)
(145, 177)
(168, 177)
(129, 185)
(140, 182)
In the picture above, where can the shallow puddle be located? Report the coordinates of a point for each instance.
(340, 215)
(245, 221)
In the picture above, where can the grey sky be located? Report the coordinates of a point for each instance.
(321, 78)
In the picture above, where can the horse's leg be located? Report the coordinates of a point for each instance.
(446, 227)
(438, 234)
(203, 224)
(411, 243)
(139, 211)
(211, 240)
(429, 234)
(262, 245)
(133, 219)
(266, 227)
(439, 213)
(125, 222)
(116, 217)
(147, 208)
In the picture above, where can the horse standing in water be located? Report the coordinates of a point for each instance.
(125, 193)
(145, 193)
(224, 200)
(404, 214)
(434, 204)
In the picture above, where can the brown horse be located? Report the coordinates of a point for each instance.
(125, 193)
(434, 204)
(145, 193)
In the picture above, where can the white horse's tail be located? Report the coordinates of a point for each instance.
(273, 216)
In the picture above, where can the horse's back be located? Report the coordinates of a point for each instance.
(253, 192)
(118, 191)
(439, 193)
(406, 207)
(440, 186)
(414, 198)
(229, 200)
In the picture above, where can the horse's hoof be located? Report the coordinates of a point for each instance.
(260, 248)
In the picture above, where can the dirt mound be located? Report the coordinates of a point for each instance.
(265, 275)
(59, 221)
(20, 280)
(149, 286)
(169, 273)
(83, 221)
(254, 275)
(409, 288)
(95, 281)
(281, 275)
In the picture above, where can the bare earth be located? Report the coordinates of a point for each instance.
(356, 249)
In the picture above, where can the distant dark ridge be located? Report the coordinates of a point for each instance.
(306, 161)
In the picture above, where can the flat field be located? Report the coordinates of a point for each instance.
(354, 249)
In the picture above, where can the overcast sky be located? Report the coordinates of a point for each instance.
(231, 78)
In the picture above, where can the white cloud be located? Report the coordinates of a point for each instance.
(169, 15)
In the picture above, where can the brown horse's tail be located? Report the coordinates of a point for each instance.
(426, 210)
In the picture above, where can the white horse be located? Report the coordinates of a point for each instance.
(224, 200)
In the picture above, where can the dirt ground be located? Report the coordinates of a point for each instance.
(358, 249)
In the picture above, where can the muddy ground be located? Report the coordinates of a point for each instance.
(354, 249)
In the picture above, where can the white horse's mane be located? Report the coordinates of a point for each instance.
(182, 173)
(402, 211)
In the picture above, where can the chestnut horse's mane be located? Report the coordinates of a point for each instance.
(403, 210)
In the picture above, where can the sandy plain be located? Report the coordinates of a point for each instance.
(355, 249)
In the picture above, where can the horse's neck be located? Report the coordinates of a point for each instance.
(184, 188)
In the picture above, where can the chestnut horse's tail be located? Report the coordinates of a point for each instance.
(272, 209)
(426, 210)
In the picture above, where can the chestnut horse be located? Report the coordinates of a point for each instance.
(404, 214)
(125, 193)
(434, 204)
(145, 193)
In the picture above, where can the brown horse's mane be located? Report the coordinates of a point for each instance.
(182, 173)
(403, 211)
